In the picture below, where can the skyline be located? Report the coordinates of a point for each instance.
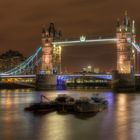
(23, 31)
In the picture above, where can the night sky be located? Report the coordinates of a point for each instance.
(21, 22)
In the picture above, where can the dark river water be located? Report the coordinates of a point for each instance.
(120, 121)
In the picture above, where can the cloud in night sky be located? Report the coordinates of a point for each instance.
(21, 22)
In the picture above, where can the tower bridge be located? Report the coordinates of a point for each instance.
(48, 63)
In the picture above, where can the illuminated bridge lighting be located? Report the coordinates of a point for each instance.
(18, 76)
(86, 41)
(101, 76)
(62, 77)
(136, 46)
(82, 38)
(17, 69)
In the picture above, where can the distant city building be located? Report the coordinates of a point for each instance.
(90, 69)
(84, 70)
(10, 59)
(96, 70)
(87, 69)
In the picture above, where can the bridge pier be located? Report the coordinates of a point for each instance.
(123, 82)
(46, 82)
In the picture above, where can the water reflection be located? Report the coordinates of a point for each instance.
(121, 116)
(57, 124)
(119, 122)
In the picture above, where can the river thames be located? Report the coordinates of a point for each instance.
(120, 121)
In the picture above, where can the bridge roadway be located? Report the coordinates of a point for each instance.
(62, 76)
(66, 76)
(72, 75)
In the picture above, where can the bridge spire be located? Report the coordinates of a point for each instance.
(133, 27)
(125, 13)
(52, 30)
(125, 21)
(43, 34)
(118, 25)
(43, 31)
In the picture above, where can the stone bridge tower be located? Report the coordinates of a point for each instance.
(125, 52)
(50, 59)
(124, 78)
(51, 54)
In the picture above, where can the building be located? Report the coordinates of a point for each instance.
(10, 59)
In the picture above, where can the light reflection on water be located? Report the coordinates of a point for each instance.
(121, 121)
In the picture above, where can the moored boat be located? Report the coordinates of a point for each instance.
(86, 105)
(64, 103)
(99, 99)
(41, 107)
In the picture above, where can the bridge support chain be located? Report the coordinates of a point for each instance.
(123, 82)
(46, 82)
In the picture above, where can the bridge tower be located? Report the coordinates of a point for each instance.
(51, 54)
(51, 58)
(126, 54)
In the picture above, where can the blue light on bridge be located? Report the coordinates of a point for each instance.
(62, 78)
